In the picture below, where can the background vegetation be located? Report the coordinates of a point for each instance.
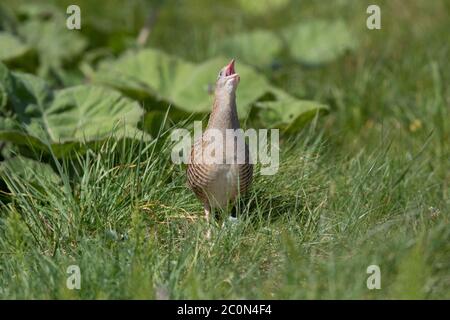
(86, 176)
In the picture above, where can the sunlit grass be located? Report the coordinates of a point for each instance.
(128, 220)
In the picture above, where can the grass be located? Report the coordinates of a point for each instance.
(366, 184)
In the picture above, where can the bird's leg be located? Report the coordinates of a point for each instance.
(234, 212)
(232, 218)
(207, 217)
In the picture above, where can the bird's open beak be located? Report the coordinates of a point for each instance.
(230, 69)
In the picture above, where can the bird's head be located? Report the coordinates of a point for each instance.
(227, 80)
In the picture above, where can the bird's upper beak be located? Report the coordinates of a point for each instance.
(230, 69)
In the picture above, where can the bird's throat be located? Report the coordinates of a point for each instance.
(224, 113)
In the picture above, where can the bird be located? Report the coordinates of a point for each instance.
(217, 185)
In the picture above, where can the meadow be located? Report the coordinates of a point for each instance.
(364, 155)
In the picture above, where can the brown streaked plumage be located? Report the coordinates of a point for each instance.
(218, 185)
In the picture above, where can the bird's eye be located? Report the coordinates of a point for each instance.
(220, 74)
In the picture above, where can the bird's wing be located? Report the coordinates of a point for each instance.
(200, 175)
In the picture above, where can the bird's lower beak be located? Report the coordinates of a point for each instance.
(230, 68)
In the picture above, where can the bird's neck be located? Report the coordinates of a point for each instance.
(224, 113)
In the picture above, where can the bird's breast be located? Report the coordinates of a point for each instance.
(224, 186)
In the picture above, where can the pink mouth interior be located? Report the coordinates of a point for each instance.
(230, 69)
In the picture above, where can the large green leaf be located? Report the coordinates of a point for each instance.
(55, 43)
(194, 92)
(39, 10)
(145, 72)
(65, 118)
(318, 41)
(82, 113)
(89, 112)
(189, 86)
(287, 112)
(171, 79)
(28, 95)
(11, 47)
(29, 170)
(258, 48)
